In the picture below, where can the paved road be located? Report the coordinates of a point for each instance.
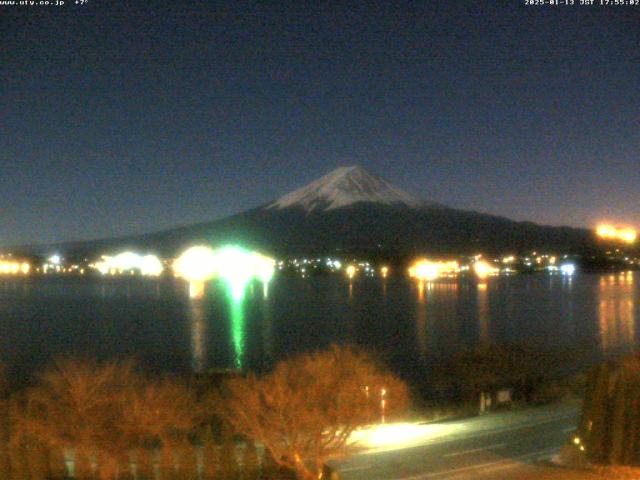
(494, 446)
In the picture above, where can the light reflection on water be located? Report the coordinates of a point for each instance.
(198, 326)
(237, 331)
(483, 312)
(616, 312)
(405, 321)
(421, 319)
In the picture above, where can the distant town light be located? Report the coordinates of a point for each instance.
(13, 267)
(232, 264)
(150, 265)
(351, 271)
(424, 270)
(237, 266)
(384, 271)
(483, 269)
(609, 232)
(265, 267)
(196, 264)
(428, 270)
(129, 262)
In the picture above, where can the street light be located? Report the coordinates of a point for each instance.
(383, 401)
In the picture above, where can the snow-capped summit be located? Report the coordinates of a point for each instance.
(342, 187)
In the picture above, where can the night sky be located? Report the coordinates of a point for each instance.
(124, 117)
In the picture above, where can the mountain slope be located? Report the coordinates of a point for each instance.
(352, 211)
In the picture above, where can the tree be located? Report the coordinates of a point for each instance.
(306, 409)
(161, 416)
(105, 416)
(77, 409)
(610, 423)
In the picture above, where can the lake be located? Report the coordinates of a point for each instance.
(156, 322)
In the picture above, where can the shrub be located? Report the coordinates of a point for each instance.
(306, 409)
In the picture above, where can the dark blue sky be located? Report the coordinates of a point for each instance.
(124, 117)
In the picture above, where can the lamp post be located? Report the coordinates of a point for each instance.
(383, 402)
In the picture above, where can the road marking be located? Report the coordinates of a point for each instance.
(474, 450)
(355, 469)
(508, 464)
(567, 430)
(500, 464)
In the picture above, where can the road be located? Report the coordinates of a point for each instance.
(505, 445)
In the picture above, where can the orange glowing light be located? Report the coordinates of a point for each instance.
(428, 270)
(14, 267)
(351, 271)
(483, 269)
(609, 232)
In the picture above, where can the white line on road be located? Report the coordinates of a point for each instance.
(570, 429)
(501, 464)
(355, 469)
(474, 450)
(508, 464)
(517, 461)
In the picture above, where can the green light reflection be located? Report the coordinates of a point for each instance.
(236, 289)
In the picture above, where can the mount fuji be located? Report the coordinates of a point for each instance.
(343, 187)
(351, 211)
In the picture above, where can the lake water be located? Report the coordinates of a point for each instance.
(156, 322)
